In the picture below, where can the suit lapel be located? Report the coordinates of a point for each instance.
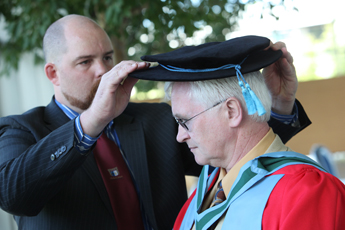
(132, 139)
(55, 117)
(91, 169)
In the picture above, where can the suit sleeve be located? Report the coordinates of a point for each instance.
(286, 132)
(29, 177)
(306, 199)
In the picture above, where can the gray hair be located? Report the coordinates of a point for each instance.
(210, 92)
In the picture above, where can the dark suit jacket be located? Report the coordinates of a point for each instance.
(68, 192)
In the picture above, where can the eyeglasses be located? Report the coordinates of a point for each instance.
(183, 122)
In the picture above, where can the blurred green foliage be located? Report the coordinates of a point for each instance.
(124, 20)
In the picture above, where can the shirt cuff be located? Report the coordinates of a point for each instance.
(287, 119)
(82, 141)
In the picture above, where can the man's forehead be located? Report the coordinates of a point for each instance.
(179, 89)
(178, 95)
(85, 33)
(82, 46)
(182, 101)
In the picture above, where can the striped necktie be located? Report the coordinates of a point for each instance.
(219, 197)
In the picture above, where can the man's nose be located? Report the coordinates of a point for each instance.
(101, 68)
(182, 134)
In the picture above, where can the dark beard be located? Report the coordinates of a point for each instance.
(83, 105)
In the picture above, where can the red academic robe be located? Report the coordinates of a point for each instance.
(304, 198)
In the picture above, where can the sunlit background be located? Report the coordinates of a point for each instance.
(313, 31)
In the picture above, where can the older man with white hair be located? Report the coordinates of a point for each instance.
(222, 105)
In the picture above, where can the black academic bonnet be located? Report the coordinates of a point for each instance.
(211, 60)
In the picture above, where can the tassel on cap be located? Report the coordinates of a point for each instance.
(252, 101)
(259, 107)
(248, 98)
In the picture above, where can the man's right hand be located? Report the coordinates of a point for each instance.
(111, 98)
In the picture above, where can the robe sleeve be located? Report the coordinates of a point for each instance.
(305, 198)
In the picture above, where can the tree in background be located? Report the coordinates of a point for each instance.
(135, 27)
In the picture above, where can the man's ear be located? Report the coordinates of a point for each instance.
(50, 70)
(235, 111)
